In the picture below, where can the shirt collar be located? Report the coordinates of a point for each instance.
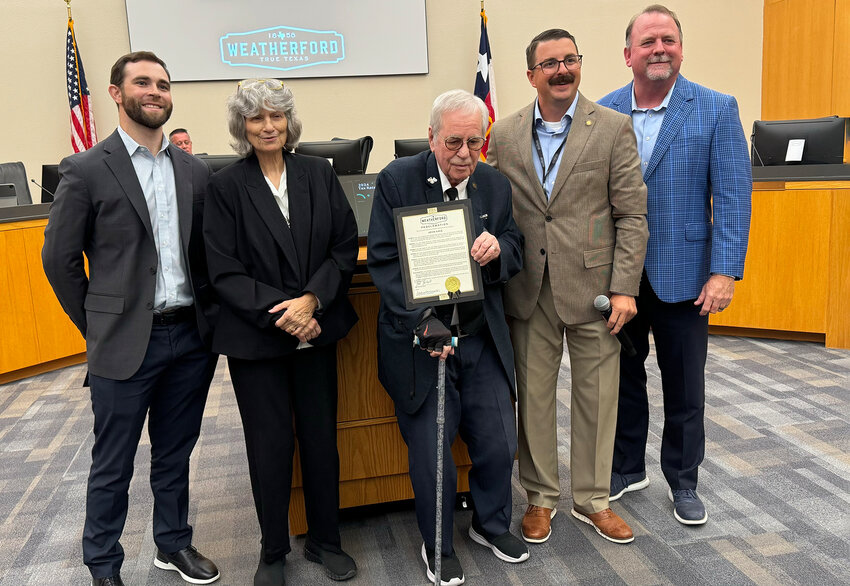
(132, 146)
(445, 183)
(568, 115)
(663, 103)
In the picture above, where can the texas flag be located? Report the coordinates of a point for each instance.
(485, 86)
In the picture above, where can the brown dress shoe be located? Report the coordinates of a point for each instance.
(537, 524)
(607, 523)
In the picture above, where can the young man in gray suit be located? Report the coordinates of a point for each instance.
(580, 201)
(133, 205)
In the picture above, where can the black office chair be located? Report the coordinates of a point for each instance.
(407, 147)
(16, 174)
(366, 144)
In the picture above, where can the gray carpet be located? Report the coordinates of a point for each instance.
(776, 483)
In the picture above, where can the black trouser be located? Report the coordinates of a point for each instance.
(270, 393)
(171, 387)
(681, 346)
(478, 406)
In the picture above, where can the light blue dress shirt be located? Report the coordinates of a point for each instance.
(551, 135)
(647, 125)
(156, 177)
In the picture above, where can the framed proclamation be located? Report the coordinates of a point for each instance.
(434, 241)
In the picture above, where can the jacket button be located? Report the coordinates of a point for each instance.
(153, 270)
(542, 251)
(548, 218)
(149, 305)
(411, 394)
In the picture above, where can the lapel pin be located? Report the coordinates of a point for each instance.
(589, 122)
(432, 180)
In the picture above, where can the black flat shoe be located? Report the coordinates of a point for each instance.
(338, 564)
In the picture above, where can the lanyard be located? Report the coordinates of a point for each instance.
(554, 158)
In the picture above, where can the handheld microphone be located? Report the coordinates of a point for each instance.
(43, 188)
(603, 306)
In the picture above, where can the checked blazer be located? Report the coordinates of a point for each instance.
(699, 184)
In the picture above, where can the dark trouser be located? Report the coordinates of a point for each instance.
(171, 386)
(478, 404)
(681, 346)
(269, 393)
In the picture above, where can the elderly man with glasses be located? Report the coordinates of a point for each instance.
(580, 201)
(479, 371)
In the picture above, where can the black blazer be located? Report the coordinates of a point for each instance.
(100, 211)
(409, 374)
(256, 261)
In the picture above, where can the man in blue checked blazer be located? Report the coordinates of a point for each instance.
(697, 171)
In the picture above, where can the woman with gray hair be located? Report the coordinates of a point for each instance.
(281, 244)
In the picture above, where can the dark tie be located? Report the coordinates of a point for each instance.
(470, 315)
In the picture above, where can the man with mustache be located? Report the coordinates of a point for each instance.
(579, 200)
(133, 204)
(695, 165)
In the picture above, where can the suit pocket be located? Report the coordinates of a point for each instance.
(104, 303)
(696, 231)
(590, 166)
(598, 257)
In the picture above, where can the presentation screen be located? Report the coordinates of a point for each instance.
(203, 40)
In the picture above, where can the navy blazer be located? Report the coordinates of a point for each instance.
(256, 260)
(699, 182)
(408, 373)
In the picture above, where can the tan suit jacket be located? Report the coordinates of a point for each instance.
(592, 231)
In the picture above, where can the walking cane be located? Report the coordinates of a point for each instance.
(452, 283)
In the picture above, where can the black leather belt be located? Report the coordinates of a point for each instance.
(174, 316)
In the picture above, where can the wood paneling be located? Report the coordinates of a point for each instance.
(837, 317)
(36, 330)
(18, 342)
(787, 268)
(797, 65)
(58, 337)
(841, 60)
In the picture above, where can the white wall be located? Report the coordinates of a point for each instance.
(722, 48)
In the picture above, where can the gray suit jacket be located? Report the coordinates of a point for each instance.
(100, 211)
(592, 231)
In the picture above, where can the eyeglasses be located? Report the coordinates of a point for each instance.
(272, 84)
(551, 65)
(455, 143)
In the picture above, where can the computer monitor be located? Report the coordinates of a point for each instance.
(8, 195)
(359, 189)
(344, 155)
(407, 147)
(218, 162)
(49, 182)
(823, 141)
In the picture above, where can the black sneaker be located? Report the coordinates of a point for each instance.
(338, 564)
(687, 507)
(270, 574)
(192, 566)
(451, 574)
(506, 547)
(623, 483)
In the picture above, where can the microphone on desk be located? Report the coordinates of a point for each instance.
(43, 188)
(603, 306)
(755, 150)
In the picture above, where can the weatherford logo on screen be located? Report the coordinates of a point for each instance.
(282, 47)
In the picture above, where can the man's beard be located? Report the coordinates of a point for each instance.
(150, 119)
(660, 75)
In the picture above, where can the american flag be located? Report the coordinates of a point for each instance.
(485, 85)
(83, 134)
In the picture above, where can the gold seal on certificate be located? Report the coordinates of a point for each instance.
(452, 284)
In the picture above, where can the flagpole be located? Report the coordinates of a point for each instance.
(68, 4)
